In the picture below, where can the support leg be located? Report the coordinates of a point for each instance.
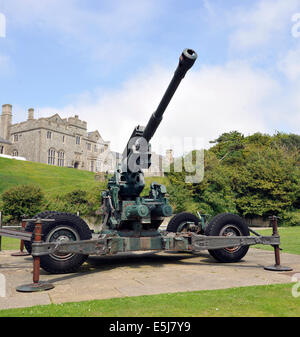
(36, 285)
(277, 266)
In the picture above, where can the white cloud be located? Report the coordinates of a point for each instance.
(265, 22)
(289, 64)
(210, 101)
(287, 113)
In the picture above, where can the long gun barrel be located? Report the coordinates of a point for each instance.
(124, 189)
(133, 149)
(186, 61)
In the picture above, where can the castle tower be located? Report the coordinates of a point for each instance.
(30, 114)
(5, 121)
(169, 156)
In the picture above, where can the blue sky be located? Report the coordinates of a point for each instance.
(110, 62)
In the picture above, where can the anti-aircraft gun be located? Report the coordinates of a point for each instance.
(122, 204)
(60, 242)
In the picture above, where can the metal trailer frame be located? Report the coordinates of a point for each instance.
(111, 243)
(108, 244)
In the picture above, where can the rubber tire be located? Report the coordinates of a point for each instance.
(179, 218)
(215, 227)
(30, 227)
(47, 262)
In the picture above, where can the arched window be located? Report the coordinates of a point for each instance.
(61, 158)
(51, 157)
(15, 153)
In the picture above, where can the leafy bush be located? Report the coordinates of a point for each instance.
(20, 201)
(76, 197)
(290, 219)
(84, 202)
(181, 200)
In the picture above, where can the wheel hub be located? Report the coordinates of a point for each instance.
(62, 234)
(229, 231)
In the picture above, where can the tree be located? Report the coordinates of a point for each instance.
(257, 175)
(228, 144)
(267, 183)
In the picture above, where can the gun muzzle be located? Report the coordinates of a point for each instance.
(186, 61)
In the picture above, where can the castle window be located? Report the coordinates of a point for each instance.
(88, 146)
(95, 148)
(78, 140)
(16, 138)
(61, 158)
(49, 134)
(51, 157)
(1, 149)
(63, 139)
(15, 153)
(92, 165)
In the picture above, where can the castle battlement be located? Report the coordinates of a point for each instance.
(77, 122)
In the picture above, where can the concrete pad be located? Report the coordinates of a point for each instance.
(141, 273)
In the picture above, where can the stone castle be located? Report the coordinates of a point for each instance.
(62, 142)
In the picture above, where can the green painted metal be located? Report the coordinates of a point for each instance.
(122, 205)
(113, 243)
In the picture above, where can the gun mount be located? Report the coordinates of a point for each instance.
(122, 205)
(60, 242)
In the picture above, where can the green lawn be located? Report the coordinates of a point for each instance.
(289, 238)
(53, 180)
(10, 243)
(271, 300)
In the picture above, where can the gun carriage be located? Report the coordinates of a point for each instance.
(130, 221)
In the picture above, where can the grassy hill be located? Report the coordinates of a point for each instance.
(53, 180)
(56, 183)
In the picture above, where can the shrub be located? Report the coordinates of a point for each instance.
(76, 197)
(21, 200)
(181, 200)
(86, 203)
(290, 219)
